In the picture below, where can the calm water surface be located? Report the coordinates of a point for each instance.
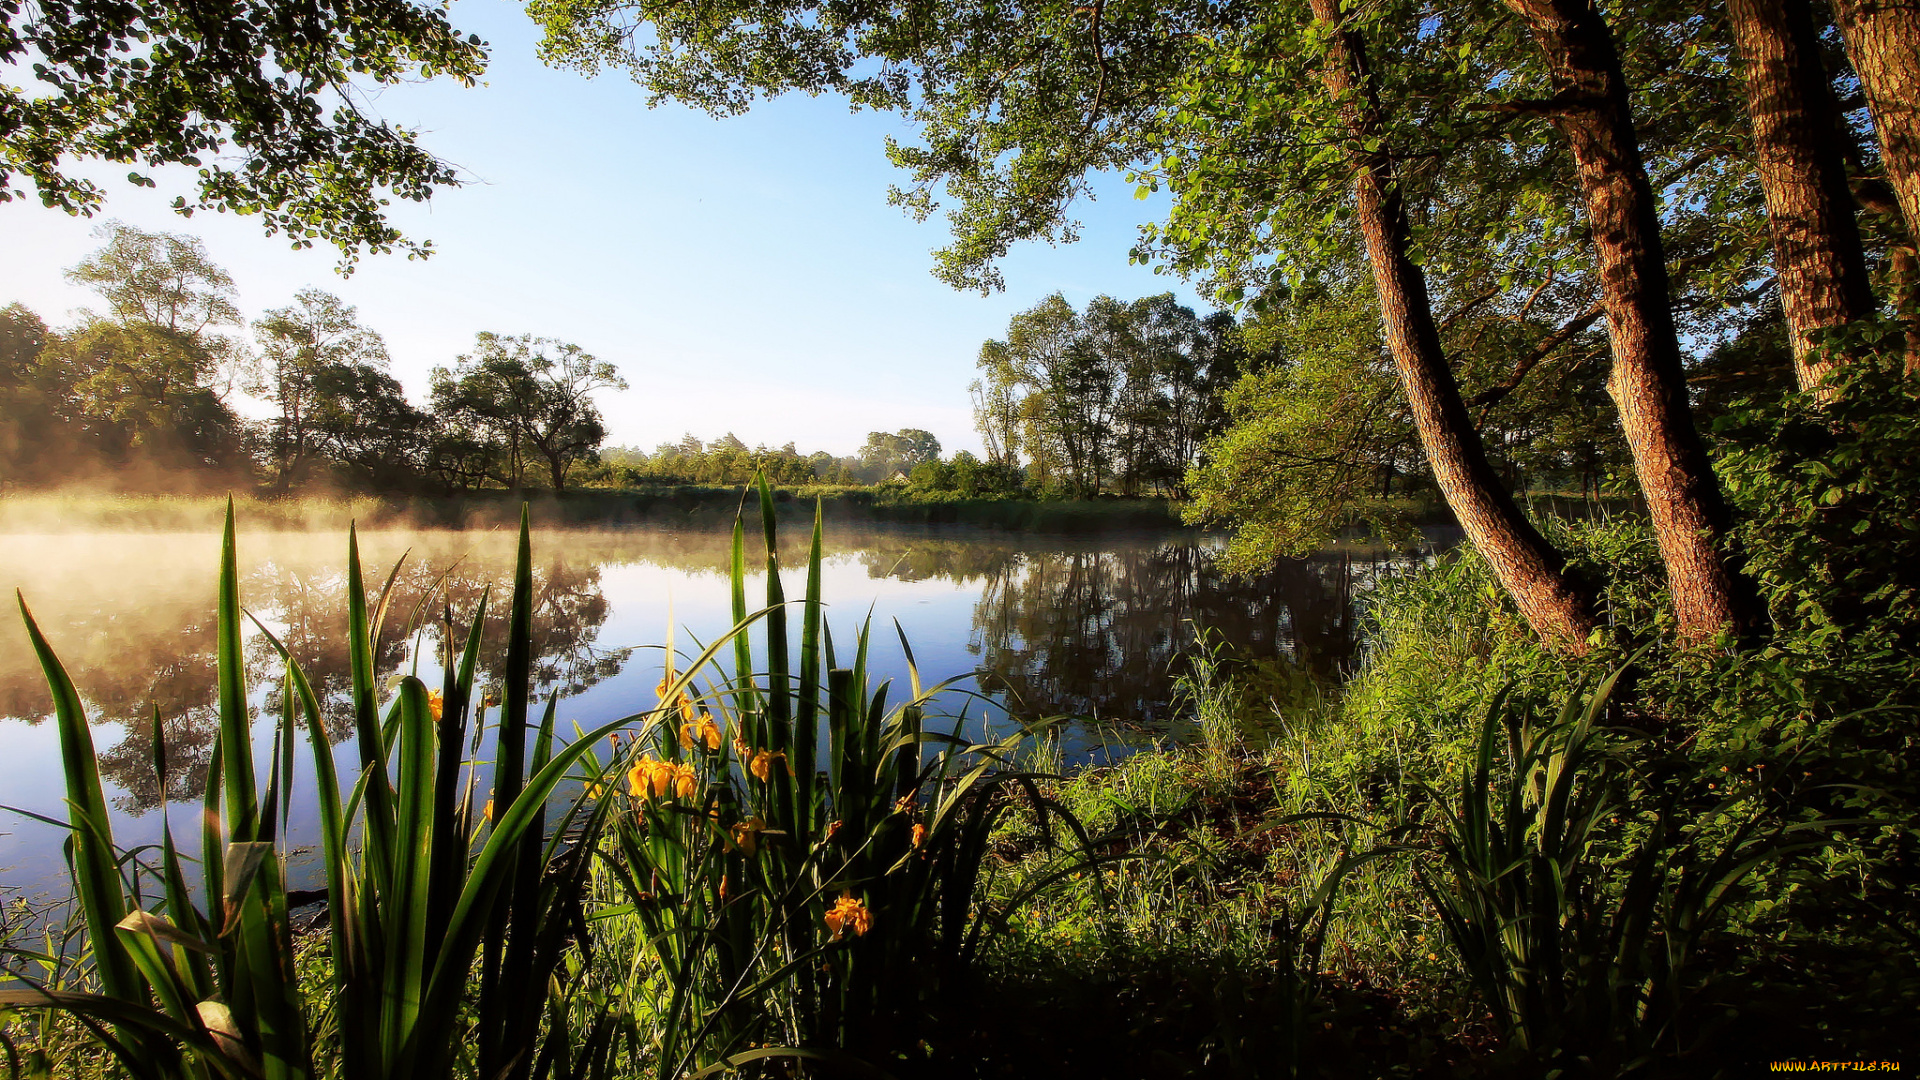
(1040, 626)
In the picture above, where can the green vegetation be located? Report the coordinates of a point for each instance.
(250, 99)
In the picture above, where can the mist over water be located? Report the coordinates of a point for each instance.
(1092, 627)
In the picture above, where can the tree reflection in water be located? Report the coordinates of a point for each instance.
(134, 653)
(1102, 632)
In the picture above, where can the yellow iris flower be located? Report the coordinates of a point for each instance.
(704, 730)
(848, 914)
(746, 834)
(762, 764)
(652, 778)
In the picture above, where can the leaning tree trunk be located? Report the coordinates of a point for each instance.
(1819, 263)
(1648, 383)
(1558, 608)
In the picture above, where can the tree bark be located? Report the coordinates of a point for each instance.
(1883, 41)
(1558, 608)
(1648, 383)
(1819, 263)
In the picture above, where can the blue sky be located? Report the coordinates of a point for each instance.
(745, 275)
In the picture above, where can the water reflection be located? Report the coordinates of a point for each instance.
(135, 653)
(1102, 632)
(1086, 627)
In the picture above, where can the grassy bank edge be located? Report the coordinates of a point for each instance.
(694, 505)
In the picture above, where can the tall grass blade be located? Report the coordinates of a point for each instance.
(236, 733)
(378, 831)
(96, 871)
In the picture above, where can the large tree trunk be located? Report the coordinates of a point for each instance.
(1819, 263)
(1558, 608)
(1883, 41)
(1648, 384)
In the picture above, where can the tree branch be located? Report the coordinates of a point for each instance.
(1491, 396)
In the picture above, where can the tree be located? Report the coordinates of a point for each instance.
(886, 454)
(1559, 607)
(527, 396)
(1819, 260)
(166, 279)
(301, 346)
(1061, 389)
(1015, 112)
(28, 412)
(1883, 46)
(363, 422)
(170, 282)
(1221, 104)
(917, 447)
(140, 397)
(1691, 519)
(1883, 42)
(262, 97)
(1311, 437)
(996, 418)
(1125, 392)
(1175, 371)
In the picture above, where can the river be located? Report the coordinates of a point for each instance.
(1089, 627)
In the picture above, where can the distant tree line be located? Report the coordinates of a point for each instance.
(141, 395)
(909, 455)
(1119, 397)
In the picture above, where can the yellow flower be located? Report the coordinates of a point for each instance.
(848, 914)
(488, 812)
(723, 888)
(746, 834)
(436, 703)
(762, 764)
(919, 835)
(650, 777)
(702, 731)
(594, 791)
